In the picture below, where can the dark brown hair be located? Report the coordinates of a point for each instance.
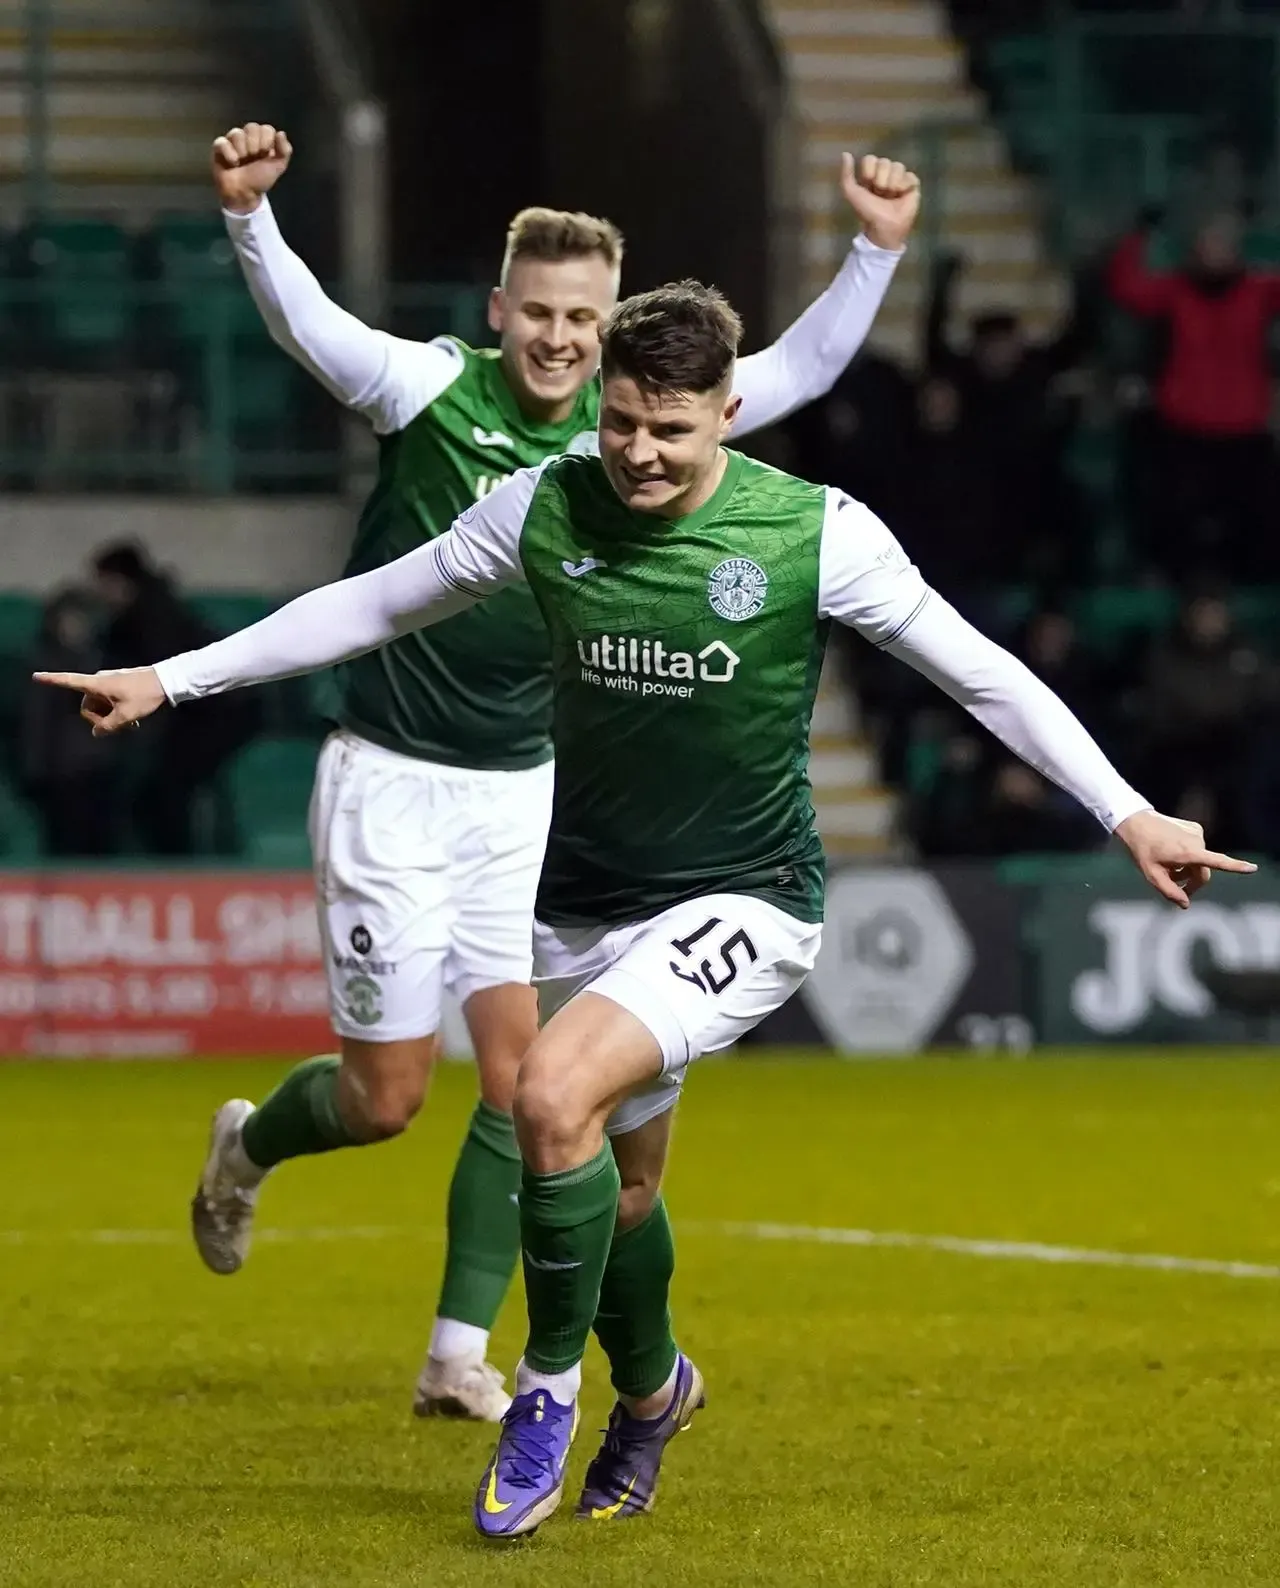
(679, 338)
(561, 234)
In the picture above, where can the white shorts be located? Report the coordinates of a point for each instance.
(425, 879)
(699, 976)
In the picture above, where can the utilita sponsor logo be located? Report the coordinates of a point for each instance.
(647, 667)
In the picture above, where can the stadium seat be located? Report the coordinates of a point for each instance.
(86, 269)
(19, 622)
(227, 611)
(1112, 614)
(1257, 612)
(19, 831)
(198, 278)
(270, 783)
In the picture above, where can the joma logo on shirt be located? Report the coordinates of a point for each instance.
(487, 484)
(647, 667)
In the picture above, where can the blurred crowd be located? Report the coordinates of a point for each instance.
(974, 461)
(1166, 649)
(97, 797)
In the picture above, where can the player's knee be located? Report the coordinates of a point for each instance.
(389, 1114)
(388, 1108)
(553, 1108)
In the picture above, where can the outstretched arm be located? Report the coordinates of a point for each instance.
(1133, 284)
(386, 378)
(478, 555)
(868, 582)
(811, 354)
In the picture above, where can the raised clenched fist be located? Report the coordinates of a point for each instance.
(884, 195)
(248, 161)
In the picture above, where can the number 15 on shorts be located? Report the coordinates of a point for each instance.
(736, 952)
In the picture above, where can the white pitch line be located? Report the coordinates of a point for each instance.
(799, 1234)
(1008, 1251)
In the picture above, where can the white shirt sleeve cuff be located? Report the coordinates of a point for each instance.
(862, 244)
(172, 680)
(1127, 803)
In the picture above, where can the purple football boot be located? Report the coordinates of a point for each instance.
(622, 1480)
(524, 1482)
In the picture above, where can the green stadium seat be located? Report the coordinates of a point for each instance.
(265, 389)
(227, 611)
(19, 625)
(200, 280)
(1262, 248)
(270, 784)
(19, 622)
(86, 269)
(20, 843)
(1112, 614)
(1257, 612)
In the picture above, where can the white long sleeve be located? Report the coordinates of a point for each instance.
(868, 582)
(811, 354)
(386, 378)
(478, 555)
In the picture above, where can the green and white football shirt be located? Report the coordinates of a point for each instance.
(477, 691)
(685, 656)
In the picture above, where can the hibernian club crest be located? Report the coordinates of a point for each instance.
(737, 588)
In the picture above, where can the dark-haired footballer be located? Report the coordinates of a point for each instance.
(687, 591)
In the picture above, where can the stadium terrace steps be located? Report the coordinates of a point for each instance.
(137, 90)
(856, 816)
(864, 75)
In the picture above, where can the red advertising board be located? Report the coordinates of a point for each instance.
(157, 963)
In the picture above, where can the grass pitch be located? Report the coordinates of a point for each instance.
(878, 1417)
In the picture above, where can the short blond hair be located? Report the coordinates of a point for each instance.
(539, 233)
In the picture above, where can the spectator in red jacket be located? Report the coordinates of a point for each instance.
(1211, 455)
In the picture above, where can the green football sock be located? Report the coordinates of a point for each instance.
(300, 1117)
(566, 1225)
(633, 1320)
(484, 1221)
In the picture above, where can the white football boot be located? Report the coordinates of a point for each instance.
(466, 1387)
(222, 1208)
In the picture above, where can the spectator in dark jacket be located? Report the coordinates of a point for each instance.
(1050, 646)
(950, 514)
(1211, 466)
(1017, 414)
(1024, 815)
(150, 621)
(1206, 687)
(69, 776)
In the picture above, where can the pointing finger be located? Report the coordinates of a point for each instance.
(1217, 862)
(81, 681)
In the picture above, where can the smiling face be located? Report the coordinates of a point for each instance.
(559, 284)
(548, 316)
(661, 450)
(667, 403)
